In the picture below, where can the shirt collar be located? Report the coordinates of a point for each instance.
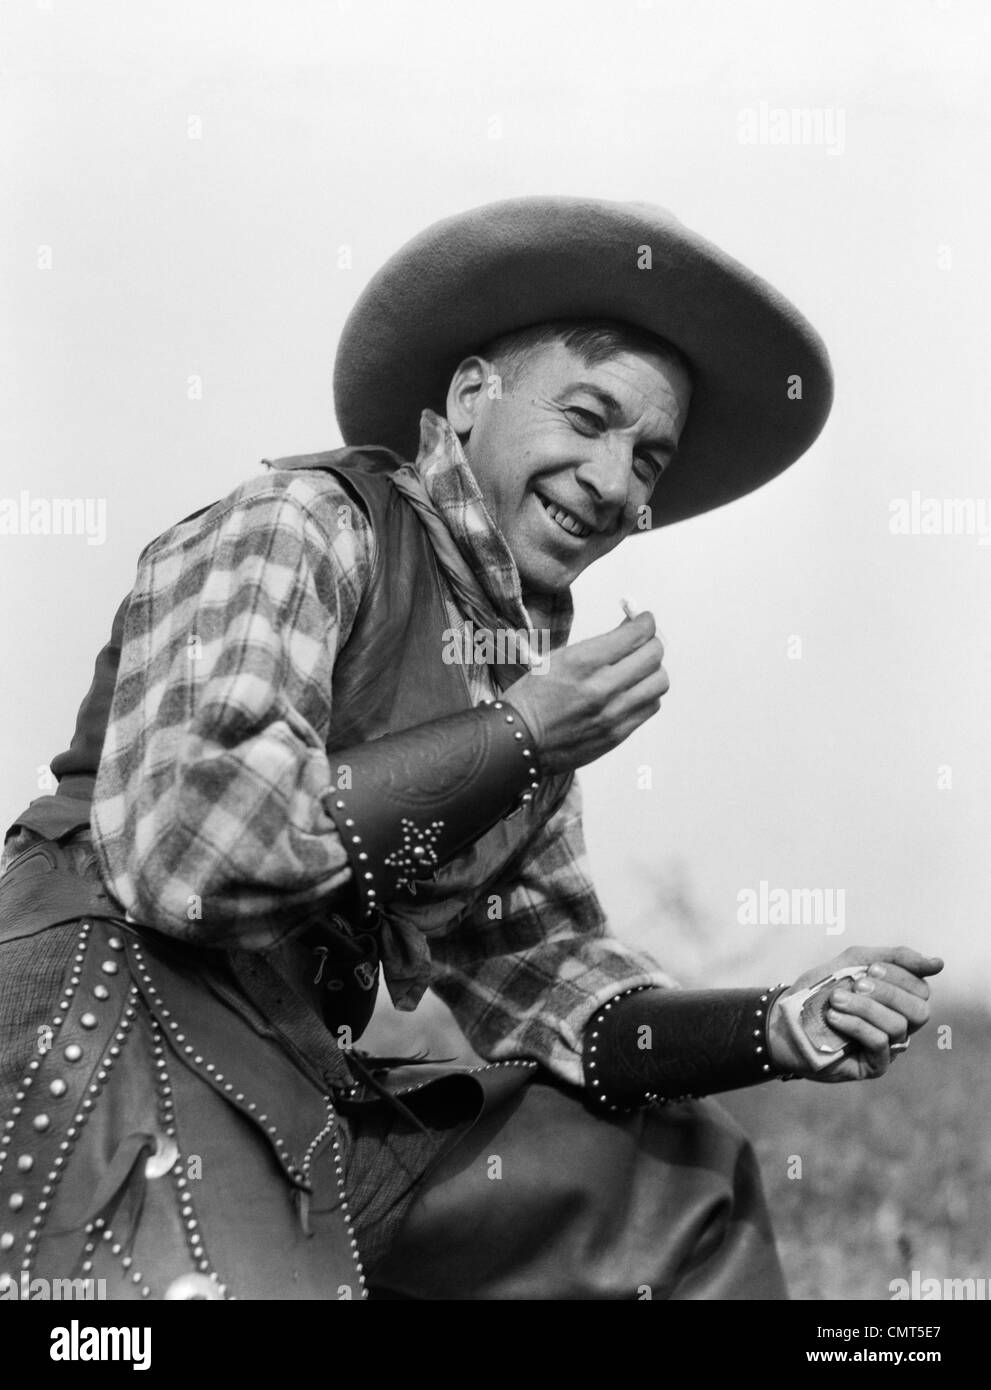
(446, 474)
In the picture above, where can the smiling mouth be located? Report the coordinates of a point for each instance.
(565, 519)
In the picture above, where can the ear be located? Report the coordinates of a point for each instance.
(466, 394)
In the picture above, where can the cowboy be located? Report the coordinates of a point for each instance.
(281, 785)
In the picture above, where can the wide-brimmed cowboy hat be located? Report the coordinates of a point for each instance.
(763, 384)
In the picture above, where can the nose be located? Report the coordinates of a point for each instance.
(605, 473)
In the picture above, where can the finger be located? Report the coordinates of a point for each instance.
(870, 1039)
(637, 666)
(640, 704)
(612, 646)
(621, 698)
(913, 1007)
(913, 961)
(896, 975)
(887, 1021)
(623, 704)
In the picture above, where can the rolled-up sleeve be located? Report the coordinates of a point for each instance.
(207, 812)
(526, 969)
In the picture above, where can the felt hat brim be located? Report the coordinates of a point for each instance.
(763, 383)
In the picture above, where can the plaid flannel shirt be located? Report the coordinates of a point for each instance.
(208, 818)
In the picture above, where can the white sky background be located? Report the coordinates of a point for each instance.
(326, 124)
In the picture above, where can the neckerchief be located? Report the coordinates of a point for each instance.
(470, 547)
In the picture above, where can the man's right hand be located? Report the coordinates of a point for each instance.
(593, 694)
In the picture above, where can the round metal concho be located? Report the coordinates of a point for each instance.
(193, 1286)
(163, 1159)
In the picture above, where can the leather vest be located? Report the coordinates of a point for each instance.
(389, 675)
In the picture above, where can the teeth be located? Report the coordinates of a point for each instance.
(569, 523)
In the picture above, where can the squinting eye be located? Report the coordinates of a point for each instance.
(651, 470)
(588, 418)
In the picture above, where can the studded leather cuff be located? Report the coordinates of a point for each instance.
(657, 1045)
(414, 799)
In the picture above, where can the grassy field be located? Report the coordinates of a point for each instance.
(895, 1173)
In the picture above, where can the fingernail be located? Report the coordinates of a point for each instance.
(864, 985)
(878, 971)
(842, 997)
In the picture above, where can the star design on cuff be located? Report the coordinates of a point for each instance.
(416, 858)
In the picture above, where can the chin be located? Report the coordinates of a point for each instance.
(549, 584)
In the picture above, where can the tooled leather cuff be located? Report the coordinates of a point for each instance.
(650, 1044)
(416, 798)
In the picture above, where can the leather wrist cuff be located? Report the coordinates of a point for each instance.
(652, 1044)
(417, 797)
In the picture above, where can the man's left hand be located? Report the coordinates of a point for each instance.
(885, 1006)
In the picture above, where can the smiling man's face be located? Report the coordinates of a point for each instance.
(569, 453)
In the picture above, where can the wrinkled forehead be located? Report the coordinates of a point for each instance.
(632, 384)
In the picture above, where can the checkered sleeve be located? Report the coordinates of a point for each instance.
(207, 813)
(534, 959)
